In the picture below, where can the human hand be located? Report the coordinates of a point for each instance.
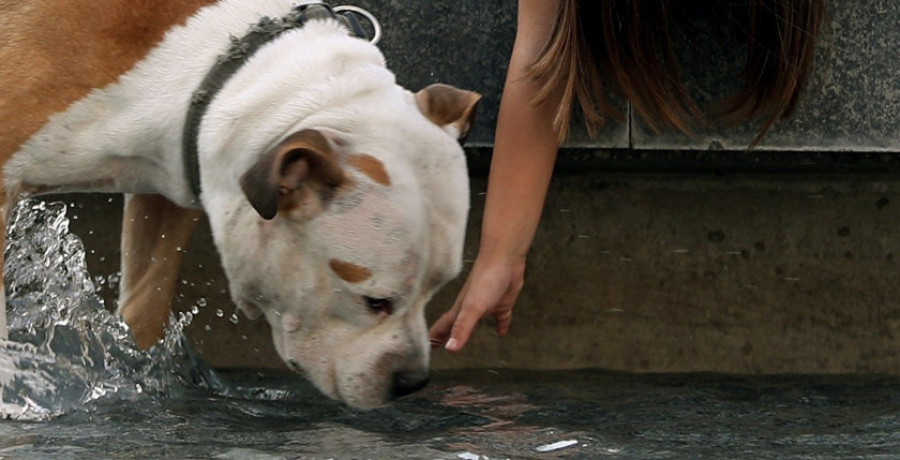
(491, 289)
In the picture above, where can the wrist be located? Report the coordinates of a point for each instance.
(501, 250)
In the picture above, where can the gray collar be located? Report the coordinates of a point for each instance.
(240, 50)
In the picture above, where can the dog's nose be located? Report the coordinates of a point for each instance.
(407, 382)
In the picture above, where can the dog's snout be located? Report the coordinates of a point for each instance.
(408, 382)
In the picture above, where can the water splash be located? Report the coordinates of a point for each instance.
(65, 348)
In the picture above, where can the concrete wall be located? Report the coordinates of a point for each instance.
(657, 252)
(853, 104)
(639, 271)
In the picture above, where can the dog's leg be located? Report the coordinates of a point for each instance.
(5, 208)
(155, 232)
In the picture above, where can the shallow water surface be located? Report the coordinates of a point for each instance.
(74, 386)
(482, 414)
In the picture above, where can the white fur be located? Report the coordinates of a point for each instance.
(127, 138)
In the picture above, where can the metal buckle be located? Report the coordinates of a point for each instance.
(369, 17)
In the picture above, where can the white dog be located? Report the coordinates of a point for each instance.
(337, 199)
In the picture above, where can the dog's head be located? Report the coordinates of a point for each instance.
(343, 235)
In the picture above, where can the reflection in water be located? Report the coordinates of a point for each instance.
(73, 358)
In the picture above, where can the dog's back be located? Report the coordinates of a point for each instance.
(54, 53)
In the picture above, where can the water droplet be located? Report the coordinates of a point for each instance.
(207, 328)
(201, 301)
(53, 295)
(220, 313)
(195, 310)
(233, 318)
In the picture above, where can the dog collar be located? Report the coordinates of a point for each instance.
(240, 50)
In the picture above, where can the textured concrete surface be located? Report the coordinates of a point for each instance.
(852, 105)
(699, 271)
(464, 43)
(677, 272)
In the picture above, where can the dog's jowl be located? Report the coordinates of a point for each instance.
(337, 199)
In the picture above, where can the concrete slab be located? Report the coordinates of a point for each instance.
(645, 272)
(465, 43)
(854, 105)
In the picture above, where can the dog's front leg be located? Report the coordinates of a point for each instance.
(5, 208)
(155, 233)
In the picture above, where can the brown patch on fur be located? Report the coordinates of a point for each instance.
(55, 55)
(349, 272)
(371, 167)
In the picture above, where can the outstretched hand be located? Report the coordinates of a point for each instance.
(491, 289)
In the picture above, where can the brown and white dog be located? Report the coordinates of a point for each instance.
(336, 198)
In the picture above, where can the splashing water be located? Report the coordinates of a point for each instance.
(65, 348)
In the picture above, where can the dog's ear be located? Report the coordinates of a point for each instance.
(451, 108)
(284, 175)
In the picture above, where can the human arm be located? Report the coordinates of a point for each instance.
(525, 149)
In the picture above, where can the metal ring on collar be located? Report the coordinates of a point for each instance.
(369, 16)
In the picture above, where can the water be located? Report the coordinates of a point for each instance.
(65, 348)
(481, 415)
(77, 387)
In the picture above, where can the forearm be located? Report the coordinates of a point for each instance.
(525, 148)
(520, 174)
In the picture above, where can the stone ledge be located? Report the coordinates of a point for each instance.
(855, 107)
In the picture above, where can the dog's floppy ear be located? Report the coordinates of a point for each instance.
(451, 108)
(281, 176)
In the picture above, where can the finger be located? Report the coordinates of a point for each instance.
(440, 330)
(504, 318)
(504, 311)
(462, 328)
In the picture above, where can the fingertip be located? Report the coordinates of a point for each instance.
(503, 327)
(452, 345)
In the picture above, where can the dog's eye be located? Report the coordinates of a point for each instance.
(378, 305)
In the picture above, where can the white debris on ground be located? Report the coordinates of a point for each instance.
(557, 445)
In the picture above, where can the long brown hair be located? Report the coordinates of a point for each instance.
(624, 47)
